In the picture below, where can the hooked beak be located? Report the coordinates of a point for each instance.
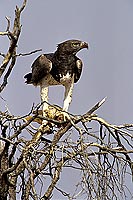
(84, 45)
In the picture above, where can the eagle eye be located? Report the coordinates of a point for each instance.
(75, 44)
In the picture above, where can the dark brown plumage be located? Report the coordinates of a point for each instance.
(62, 67)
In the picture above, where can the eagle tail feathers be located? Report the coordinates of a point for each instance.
(28, 78)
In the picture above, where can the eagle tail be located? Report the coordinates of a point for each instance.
(28, 78)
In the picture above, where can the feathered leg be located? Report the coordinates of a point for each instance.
(68, 96)
(44, 100)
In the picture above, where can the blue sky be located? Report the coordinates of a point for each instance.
(108, 64)
(106, 25)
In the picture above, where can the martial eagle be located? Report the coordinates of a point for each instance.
(60, 68)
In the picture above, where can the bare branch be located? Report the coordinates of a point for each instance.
(8, 23)
(98, 155)
(94, 108)
(29, 53)
(13, 36)
(4, 33)
(23, 6)
(55, 178)
(3, 85)
(2, 54)
(32, 153)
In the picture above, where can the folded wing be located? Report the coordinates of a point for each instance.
(40, 68)
(77, 70)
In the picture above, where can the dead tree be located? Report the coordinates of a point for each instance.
(30, 153)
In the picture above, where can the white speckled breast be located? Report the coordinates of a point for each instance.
(65, 79)
(49, 80)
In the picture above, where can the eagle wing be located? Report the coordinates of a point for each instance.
(77, 69)
(41, 67)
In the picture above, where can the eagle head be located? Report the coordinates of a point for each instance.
(71, 46)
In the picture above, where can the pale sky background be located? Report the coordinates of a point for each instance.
(107, 25)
